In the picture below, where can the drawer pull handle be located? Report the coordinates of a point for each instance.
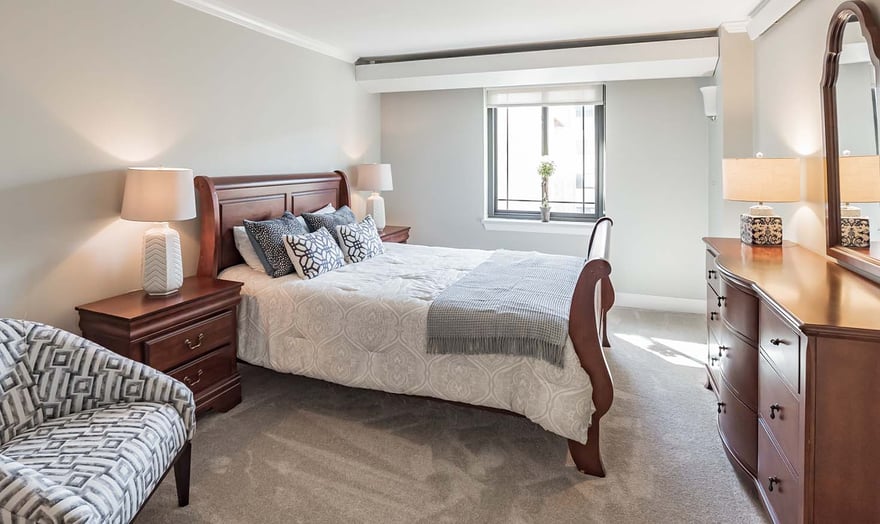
(712, 273)
(721, 301)
(714, 360)
(713, 315)
(190, 382)
(773, 481)
(773, 409)
(197, 345)
(721, 349)
(778, 342)
(721, 406)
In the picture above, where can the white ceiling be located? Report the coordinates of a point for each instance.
(360, 28)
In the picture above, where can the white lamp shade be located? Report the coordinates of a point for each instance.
(374, 177)
(761, 179)
(710, 100)
(158, 194)
(859, 179)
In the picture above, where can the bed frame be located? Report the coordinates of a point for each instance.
(225, 201)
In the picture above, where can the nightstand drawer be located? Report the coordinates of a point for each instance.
(782, 345)
(780, 410)
(185, 344)
(208, 370)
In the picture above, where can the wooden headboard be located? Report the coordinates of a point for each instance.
(224, 202)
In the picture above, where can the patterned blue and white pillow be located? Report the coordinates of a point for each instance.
(313, 254)
(340, 217)
(267, 237)
(359, 241)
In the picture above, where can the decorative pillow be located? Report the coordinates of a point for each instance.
(340, 217)
(360, 241)
(325, 210)
(313, 254)
(246, 249)
(19, 401)
(267, 237)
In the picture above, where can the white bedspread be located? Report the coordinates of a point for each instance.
(364, 325)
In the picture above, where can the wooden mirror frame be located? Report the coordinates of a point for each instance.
(845, 13)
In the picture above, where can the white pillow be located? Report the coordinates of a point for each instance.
(326, 210)
(313, 254)
(246, 249)
(359, 241)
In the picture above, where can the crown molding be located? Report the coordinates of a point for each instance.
(767, 14)
(739, 26)
(267, 28)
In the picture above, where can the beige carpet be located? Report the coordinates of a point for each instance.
(302, 450)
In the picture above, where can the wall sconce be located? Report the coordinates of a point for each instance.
(710, 101)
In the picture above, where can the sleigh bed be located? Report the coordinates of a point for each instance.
(363, 325)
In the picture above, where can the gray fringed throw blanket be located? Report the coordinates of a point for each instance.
(513, 304)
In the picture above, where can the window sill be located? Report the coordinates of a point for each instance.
(555, 227)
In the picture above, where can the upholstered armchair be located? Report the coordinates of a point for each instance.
(86, 435)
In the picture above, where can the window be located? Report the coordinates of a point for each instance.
(564, 123)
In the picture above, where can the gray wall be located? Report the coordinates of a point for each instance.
(90, 87)
(656, 183)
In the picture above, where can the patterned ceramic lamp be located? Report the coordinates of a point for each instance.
(159, 194)
(761, 180)
(859, 183)
(375, 178)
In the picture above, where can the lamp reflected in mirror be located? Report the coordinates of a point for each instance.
(859, 184)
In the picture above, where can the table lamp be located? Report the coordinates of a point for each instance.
(761, 180)
(160, 194)
(375, 178)
(860, 183)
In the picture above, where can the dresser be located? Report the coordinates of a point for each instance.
(191, 335)
(794, 361)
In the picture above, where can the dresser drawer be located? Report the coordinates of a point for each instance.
(711, 271)
(208, 370)
(784, 498)
(713, 315)
(782, 345)
(739, 366)
(739, 309)
(780, 410)
(738, 425)
(185, 344)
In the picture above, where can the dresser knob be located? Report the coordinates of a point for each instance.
(197, 345)
(773, 409)
(721, 301)
(713, 315)
(712, 273)
(778, 342)
(720, 406)
(714, 360)
(721, 349)
(773, 481)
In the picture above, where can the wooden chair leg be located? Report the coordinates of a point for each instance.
(181, 474)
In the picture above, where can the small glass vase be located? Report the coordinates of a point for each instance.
(545, 213)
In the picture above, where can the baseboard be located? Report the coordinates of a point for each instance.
(677, 305)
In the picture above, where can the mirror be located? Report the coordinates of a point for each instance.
(852, 140)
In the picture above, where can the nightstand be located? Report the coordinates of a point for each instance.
(399, 234)
(191, 335)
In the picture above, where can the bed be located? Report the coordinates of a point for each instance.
(364, 325)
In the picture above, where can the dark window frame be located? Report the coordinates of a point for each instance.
(492, 149)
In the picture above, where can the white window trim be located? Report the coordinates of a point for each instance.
(555, 227)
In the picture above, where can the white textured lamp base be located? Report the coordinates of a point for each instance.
(376, 208)
(163, 265)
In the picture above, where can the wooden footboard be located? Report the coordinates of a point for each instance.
(593, 297)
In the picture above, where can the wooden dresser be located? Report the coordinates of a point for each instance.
(794, 360)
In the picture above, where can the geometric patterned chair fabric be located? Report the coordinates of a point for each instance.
(86, 435)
